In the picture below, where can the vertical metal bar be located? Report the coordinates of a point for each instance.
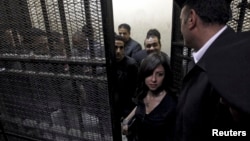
(24, 23)
(9, 25)
(20, 5)
(108, 33)
(79, 105)
(46, 23)
(189, 54)
(4, 135)
(8, 13)
(90, 38)
(68, 52)
(12, 21)
(64, 27)
(90, 32)
(89, 27)
(14, 14)
(24, 12)
(243, 6)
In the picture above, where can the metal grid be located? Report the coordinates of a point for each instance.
(240, 15)
(180, 56)
(52, 87)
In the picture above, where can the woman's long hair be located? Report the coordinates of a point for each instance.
(147, 67)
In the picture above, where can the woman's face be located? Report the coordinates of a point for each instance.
(154, 81)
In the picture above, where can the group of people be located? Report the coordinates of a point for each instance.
(214, 96)
(144, 87)
(56, 91)
(144, 80)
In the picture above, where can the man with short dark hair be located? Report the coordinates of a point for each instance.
(126, 74)
(204, 102)
(131, 46)
(152, 43)
(126, 77)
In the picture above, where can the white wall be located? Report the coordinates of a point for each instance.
(143, 15)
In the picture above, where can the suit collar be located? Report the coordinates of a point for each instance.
(212, 49)
(198, 54)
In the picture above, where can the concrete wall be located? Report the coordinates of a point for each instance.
(143, 15)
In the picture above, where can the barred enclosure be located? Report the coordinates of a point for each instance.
(180, 55)
(56, 66)
(55, 61)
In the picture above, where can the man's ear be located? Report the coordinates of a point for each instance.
(192, 19)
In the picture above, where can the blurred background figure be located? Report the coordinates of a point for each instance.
(58, 48)
(36, 42)
(126, 77)
(80, 45)
(126, 71)
(8, 43)
(152, 43)
(131, 46)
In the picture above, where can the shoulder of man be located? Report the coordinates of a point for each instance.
(130, 62)
(166, 55)
(138, 56)
(229, 70)
(133, 42)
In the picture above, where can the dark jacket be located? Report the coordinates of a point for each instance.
(140, 55)
(131, 47)
(126, 84)
(199, 108)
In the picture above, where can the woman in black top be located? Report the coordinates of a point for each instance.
(155, 111)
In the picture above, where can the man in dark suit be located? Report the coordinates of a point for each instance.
(131, 46)
(126, 78)
(126, 70)
(205, 106)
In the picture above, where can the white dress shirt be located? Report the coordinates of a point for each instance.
(197, 55)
